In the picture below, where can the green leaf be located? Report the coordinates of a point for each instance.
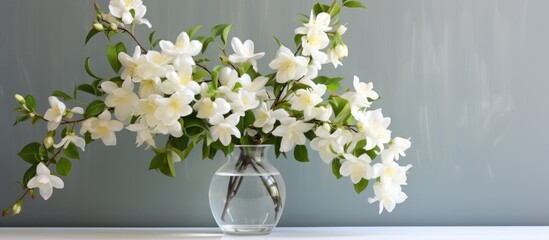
(298, 86)
(300, 153)
(151, 37)
(205, 150)
(205, 42)
(164, 163)
(344, 114)
(278, 41)
(332, 84)
(178, 152)
(180, 143)
(297, 39)
(334, 9)
(153, 44)
(95, 108)
(191, 32)
(61, 94)
(112, 55)
(120, 47)
(30, 153)
(117, 80)
(169, 168)
(336, 165)
(91, 33)
(221, 30)
(360, 186)
(225, 34)
(199, 74)
(29, 174)
(88, 70)
(64, 167)
(157, 161)
(72, 151)
(353, 4)
(30, 102)
(319, 7)
(88, 89)
(21, 119)
(337, 103)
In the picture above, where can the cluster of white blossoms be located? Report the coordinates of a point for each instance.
(166, 93)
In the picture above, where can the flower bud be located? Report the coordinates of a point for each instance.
(113, 26)
(48, 142)
(341, 30)
(31, 114)
(98, 26)
(341, 51)
(360, 126)
(16, 208)
(5, 212)
(68, 114)
(97, 7)
(20, 99)
(224, 60)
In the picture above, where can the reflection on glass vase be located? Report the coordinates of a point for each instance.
(247, 194)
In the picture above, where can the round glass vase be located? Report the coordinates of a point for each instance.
(247, 194)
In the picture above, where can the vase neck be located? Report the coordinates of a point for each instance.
(250, 152)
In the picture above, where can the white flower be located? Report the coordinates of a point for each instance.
(183, 49)
(177, 105)
(244, 52)
(257, 86)
(242, 101)
(387, 197)
(130, 63)
(149, 87)
(146, 108)
(71, 137)
(320, 22)
(396, 148)
(206, 108)
(288, 66)
(292, 132)
(179, 81)
(357, 167)
(362, 97)
(390, 173)
(265, 117)
(228, 78)
(45, 181)
(153, 66)
(102, 127)
(121, 98)
(374, 127)
(143, 134)
(122, 9)
(224, 128)
(313, 42)
(306, 99)
(337, 53)
(329, 145)
(321, 113)
(173, 128)
(55, 113)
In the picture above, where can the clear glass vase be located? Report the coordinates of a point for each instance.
(247, 194)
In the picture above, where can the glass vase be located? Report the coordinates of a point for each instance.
(247, 194)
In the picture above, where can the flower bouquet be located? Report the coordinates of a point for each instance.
(171, 89)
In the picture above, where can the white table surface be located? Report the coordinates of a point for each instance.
(369, 233)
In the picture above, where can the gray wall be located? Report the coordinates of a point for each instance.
(466, 80)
